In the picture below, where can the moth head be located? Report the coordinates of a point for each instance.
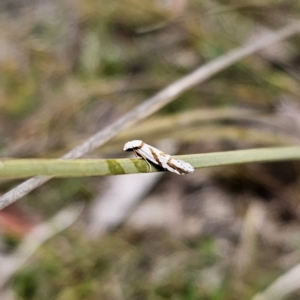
(133, 145)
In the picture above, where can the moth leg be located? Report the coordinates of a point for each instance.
(145, 159)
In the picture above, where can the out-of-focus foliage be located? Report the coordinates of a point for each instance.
(70, 67)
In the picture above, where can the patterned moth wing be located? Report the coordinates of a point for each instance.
(159, 158)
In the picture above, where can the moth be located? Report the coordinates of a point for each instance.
(157, 157)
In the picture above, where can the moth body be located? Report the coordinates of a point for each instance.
(158, 157)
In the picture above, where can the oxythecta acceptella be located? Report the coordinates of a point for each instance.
(157, 157)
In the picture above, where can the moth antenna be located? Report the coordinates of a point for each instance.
(145, 159)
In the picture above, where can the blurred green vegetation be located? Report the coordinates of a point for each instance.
(69, 68)
(136, 266)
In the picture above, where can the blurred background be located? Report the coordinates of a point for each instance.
(70, 68)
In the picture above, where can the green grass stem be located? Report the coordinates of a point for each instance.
(21, 168)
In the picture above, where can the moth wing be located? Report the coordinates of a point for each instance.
(165, 163)
(180, 167)
(164, 160)
(149, 153)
